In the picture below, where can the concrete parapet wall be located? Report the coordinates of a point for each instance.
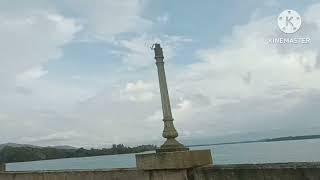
(120, 174)
(287, 171)
(279, 171)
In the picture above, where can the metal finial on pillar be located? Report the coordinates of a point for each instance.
(169, 131)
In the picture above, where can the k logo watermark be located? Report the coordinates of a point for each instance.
(289, 21)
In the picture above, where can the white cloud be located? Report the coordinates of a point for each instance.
(31, 36)
(139, 91)
(243, 84)
(34, 73)
(104, 19)
(34, 34)
(240, 77)
(30, 40)
(57, 137)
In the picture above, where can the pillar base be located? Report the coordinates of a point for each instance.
(171, 145)
(173, 160)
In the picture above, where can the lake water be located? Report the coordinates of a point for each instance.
(262, 152)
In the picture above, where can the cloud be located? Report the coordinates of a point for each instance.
(34, 35)
(139, 91)
(252, 85)
(241, 85)
(33, 73)
(59, 137)
(30, 40)
(104, 19)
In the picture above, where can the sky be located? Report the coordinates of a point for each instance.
(82, 73)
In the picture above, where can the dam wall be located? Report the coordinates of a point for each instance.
(282, 171)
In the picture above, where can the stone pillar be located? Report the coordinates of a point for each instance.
(169, 131)
(172, 154)
(2, 167)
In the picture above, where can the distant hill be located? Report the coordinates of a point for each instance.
(289, 138)
(286, 138)
(21, 153)
(63, 147)
(16, 145)
(33, 146)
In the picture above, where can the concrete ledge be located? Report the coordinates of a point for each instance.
(174, 160)
(115, 174)
(288, 165)
(272, 171)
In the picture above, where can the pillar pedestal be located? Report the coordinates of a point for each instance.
(174, 160)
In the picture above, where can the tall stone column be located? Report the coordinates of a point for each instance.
(172, 154)
(169, 131)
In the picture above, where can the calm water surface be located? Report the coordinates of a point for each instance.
(270, 152)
